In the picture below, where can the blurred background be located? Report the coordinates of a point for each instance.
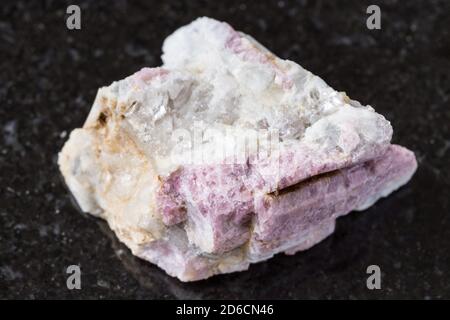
(49, 76)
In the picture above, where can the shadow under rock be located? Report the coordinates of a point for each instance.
(272, 279)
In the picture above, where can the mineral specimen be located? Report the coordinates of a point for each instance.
(227, 155)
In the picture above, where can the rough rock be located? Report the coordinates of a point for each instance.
(227, 155)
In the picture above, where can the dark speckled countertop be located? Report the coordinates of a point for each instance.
(48, 79)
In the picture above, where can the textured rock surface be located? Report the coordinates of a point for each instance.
(402, 71)
(199, 218)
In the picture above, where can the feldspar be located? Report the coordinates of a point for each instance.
(147, 159)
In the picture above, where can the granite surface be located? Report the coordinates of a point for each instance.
(48, 79)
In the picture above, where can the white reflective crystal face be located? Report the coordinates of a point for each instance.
(217, 84)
